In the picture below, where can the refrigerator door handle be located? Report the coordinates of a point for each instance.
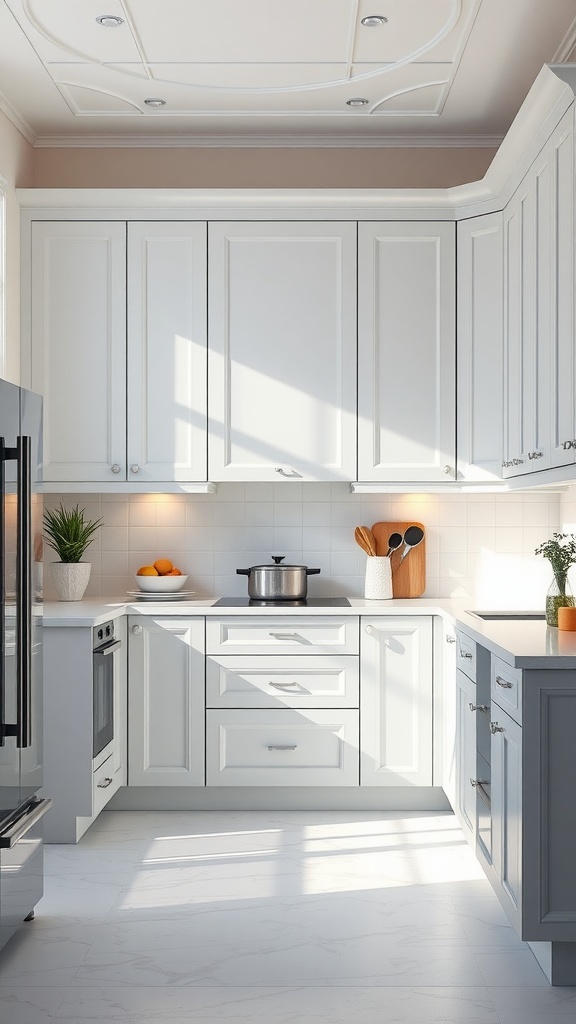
(17, 829)
(24, 591)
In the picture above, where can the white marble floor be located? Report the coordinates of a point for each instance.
(271, 918)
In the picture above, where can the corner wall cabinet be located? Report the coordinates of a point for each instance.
(119, 350)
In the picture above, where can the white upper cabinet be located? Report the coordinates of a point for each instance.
(563, 373)
(528, 321)
(282, 351)
(406, 358)
(480, 348)
(166, 437)
(78, 359)
(119, 350)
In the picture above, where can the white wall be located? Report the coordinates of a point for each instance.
(479, 547)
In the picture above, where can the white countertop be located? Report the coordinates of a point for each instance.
(530, 644)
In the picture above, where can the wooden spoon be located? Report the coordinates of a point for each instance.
(365, 538)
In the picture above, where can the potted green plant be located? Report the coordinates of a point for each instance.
(561, 553)
(69, 533)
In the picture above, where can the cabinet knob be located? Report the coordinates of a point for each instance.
(450, 639)
(370, 630)
(494, 727)
(105, 783)
(134, 469)
(466, 654)
(448, 470)
(566, 445)
(115, 468)
(136, 630)
(535, 455)
(477, 707)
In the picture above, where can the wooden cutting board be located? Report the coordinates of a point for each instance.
(408, 576)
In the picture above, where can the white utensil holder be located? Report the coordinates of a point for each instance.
(378, 584)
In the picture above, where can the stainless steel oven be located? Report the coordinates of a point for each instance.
(103, 647)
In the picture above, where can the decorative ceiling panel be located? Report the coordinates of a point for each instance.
(428, 65)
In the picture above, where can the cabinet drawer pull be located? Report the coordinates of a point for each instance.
(465, 654)
(535, 455)
(566, 445)
(479, 782)
(450, 639)
(280, 746)
(105, 783)
(494, 727)
(285, 636)
(478, 707)
(288, 473)
(503, 683)
(282, 686)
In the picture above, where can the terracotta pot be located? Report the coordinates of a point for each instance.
(70, 579)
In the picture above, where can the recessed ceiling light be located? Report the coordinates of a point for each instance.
(153, 102)
(110, 21)
(374, 21)
(357, 101)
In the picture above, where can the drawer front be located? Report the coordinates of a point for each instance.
(282, 748)
(466, 655)
(243, 634)
(105, 782)
(506, 688)
(313, 681)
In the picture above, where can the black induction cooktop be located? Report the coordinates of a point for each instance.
(309, 602)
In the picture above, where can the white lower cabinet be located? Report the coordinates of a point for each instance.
(282, 748)
(506, 757)
(465, 806)
(396, 701)
(166, 701)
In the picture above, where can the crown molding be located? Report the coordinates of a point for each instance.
(18, 121)
(268, 141)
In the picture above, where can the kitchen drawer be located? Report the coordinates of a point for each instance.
(466, 655)
(282, 748)
(105, 782)
(245, 634)
(506, 689)
(312, 681)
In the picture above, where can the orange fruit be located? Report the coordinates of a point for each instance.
(163, 566)
(147, 570)
(173, 572)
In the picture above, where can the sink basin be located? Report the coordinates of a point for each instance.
(509, 616)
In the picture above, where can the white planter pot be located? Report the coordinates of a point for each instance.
(70, 579)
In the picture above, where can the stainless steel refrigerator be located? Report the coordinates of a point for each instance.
(21, 809)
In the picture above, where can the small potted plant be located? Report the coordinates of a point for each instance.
(561, 553)
(69, 534)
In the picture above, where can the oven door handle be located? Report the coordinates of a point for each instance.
(18, 829)
(109, 648)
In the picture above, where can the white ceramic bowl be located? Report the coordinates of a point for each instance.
(161, 584)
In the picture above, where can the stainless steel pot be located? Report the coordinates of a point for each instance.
(277, 582)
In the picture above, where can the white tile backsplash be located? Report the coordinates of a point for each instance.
(480, 547)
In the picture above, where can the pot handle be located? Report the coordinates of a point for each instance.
(243, 572)
(312, 572)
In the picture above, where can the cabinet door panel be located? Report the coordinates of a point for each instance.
(396, 701)
(406, 352)
(167, 351)
(79, 347)
(166, 702)
(563, 371)
(480, 347)
(506, 756)
(282, 351)
(465, 808)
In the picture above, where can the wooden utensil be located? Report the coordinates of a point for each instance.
(408, 576)
(365, 538)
